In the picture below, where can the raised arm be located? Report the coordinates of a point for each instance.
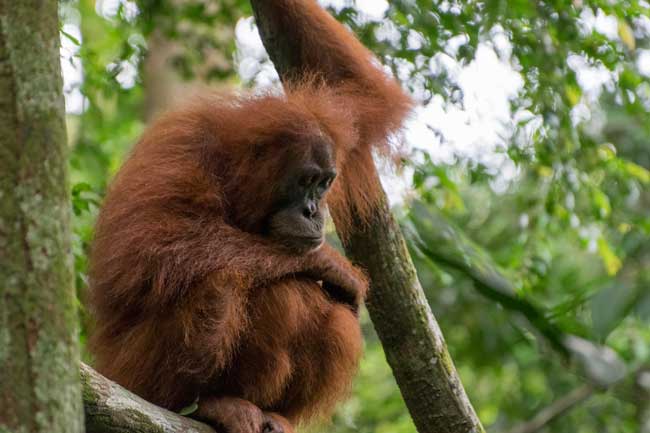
(304, 40)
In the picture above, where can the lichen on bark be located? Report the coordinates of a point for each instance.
(112, 409)
(39, 380)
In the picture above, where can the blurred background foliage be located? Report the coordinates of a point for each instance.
(550, 240)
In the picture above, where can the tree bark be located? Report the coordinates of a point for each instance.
(412, 340)
(39, 381)
(112, 409)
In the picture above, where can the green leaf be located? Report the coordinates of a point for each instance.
(70, 37)
(609, 307)
(573, 94)
(190, 409)
(601, 203)
(626, 34)
(610, 260)
(637, 171)
(78, 188)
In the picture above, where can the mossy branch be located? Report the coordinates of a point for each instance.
(109, 408)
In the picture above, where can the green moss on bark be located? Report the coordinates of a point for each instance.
(39, 390)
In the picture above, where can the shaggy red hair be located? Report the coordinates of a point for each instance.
(189, 300)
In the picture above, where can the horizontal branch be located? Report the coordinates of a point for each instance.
(109, 408)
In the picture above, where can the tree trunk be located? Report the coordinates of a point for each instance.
(39, 378)
(413, 343)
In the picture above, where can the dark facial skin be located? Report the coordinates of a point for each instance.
(299, 217)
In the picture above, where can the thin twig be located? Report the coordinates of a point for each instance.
(556, 409)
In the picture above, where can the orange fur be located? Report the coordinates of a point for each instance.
(189, 299)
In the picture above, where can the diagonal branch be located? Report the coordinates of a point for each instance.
(441, 242)
(109, 408)
(410, 335)
(437, 239)
(628, 387)
(557, 409)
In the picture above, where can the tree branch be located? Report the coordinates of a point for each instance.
(437, 239)
(410, 335)
(556, 409)
(109, 408)
(629, 388)
(441, 242)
